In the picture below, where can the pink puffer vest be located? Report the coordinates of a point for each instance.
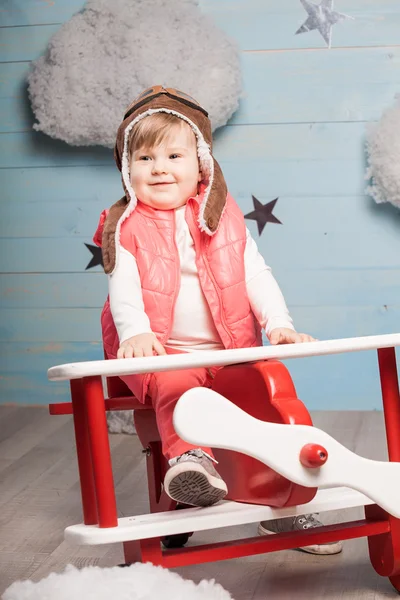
(149, 235)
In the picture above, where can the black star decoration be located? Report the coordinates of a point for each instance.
(96, 259)
(262, 213)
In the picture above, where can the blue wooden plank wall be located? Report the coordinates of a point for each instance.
(299, 135)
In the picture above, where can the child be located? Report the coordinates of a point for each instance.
(185, 274)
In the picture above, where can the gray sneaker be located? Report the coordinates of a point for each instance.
(300, 523)
(192, 479)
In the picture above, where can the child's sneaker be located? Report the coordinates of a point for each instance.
(192, 479)
(300, 523)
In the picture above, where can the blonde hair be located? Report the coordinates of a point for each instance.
(153, 130)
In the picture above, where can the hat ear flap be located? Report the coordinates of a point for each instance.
(214, 201)
(110, 224)
(117, 157)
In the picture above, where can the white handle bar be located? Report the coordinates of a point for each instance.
(189, 360)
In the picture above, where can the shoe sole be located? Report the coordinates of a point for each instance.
(195, 487)
(321, 549)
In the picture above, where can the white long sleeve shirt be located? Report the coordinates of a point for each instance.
(193, 326)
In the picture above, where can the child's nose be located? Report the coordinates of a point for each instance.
(159, 166)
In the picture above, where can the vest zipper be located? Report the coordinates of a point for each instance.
(223, 321)
(177, 283)
(211, 276)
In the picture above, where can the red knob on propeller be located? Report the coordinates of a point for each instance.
(313, 456)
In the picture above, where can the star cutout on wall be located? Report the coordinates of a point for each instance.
(96, 259)
(262, 213)
(321, 17)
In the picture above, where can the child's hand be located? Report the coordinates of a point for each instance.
(283, 335)
(143, 344)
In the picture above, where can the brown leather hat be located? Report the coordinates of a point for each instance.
(169, 100)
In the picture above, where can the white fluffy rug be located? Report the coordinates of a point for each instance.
(137, 582)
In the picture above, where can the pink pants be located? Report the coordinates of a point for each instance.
(165, 389)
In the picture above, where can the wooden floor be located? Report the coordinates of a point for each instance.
(39, 497)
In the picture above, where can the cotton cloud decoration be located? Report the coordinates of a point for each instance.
(136, 582)
(383, 147)
(101, 59)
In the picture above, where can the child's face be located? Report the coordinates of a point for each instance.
(166, 176)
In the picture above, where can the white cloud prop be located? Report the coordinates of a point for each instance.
(101, 59)
(383, 147)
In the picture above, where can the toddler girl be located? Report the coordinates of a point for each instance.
(185, 275)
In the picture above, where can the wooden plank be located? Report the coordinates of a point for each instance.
(301, 287)
(261, 144)
(25, 43)
(51, 515)
(36, 12)
(350, 576)
(271, 178)
(23, 378)
(339, 288)
(63, 476)
(29, 467)
(260, 24)
(15, 566)
(34, 255)
(344, 426)
(319, 250)
(350, 84)
(15, 111)
(347, 85)
(345, 382)
(4, 462)
(12, 77)
(83, 324)
(79, 556)
(291, 160)
(7, 410)
(302, 142)
(50, 324)
(55, 497)
(78, 219)
(84, 183)
(371, 441)
(15, 115)
(254, 24)
(342, 382)
(13, 447)
(41, 528)
(13, 422)
(311, 250)
(282, 159)
(33, 388)
(34, 357)
(350, 322)
(50, 219)
(17, 421)
(35, 290)
(35, 149)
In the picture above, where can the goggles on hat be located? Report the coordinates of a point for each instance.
(159, 90)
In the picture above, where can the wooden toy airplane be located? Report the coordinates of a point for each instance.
(318, 472)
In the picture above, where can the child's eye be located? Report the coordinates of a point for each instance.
(174, 155)
(144, 158)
